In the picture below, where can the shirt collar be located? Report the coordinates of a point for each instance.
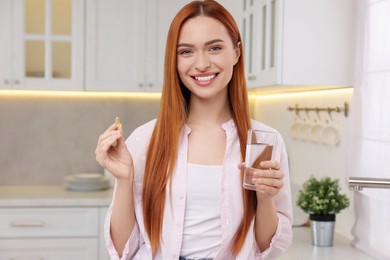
(228, 126)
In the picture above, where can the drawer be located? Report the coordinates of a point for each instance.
(48, 222)
(49, 249)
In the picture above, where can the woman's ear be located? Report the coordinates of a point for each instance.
(237, 52)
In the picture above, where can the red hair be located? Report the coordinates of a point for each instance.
(162, 151)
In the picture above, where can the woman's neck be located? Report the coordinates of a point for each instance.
(208, 112)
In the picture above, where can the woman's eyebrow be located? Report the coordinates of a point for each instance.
(207, 43)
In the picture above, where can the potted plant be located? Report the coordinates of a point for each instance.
(322, 200)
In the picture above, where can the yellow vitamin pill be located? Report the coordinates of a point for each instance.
(117, 121)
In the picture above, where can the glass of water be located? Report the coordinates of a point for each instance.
(259, 147)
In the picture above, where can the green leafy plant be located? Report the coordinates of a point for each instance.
(322, 196)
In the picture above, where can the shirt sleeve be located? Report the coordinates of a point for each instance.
(283, 235)
(132, 244)
(280, 241)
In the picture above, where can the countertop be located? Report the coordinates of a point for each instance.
(51, 196)
(303, 249)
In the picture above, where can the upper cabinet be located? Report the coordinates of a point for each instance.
(41, 44)
(115, 45)
(125, 43)
(300, 42)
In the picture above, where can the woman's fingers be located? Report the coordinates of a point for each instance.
(111, 152)
(105, 142)
(270, 165)
(270, 182)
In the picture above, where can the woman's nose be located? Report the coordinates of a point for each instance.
(203, 63)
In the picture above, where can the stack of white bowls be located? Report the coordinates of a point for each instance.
(86, 182)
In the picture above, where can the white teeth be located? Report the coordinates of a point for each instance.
(205, 78)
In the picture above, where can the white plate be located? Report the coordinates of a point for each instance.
(87, 186)
(330, 135)
(316, 132)
(295, 129)
(305, 132)
(85, 177)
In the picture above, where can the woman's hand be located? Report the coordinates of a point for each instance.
(268, 180)
(112, 154)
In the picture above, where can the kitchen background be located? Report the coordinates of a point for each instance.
(297, 53)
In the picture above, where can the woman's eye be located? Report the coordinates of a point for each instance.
(185, 52)
(215, 48)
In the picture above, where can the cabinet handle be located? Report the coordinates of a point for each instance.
(252, 77)
(6, 81)
(150, 85)
(29, 258)
(16, 81)
(141, 85)
(21, 224)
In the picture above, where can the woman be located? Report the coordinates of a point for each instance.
(178, 192)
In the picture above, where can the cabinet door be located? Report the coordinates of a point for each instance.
(159, 17)
(49, 249)
(260, 35)
(247, 33)
(48, 222)
(301, 42)
(115, 39)
(318, 43)
(103, 253)
(5, 43)
(47, 40)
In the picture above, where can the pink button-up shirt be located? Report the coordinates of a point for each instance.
(138, 245)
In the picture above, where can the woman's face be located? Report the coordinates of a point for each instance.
(205, 57)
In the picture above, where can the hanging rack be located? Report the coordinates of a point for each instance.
(337, 109)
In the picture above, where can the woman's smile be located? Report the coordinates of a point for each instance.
(205, 79)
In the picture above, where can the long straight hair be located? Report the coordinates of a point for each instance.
(162, 151)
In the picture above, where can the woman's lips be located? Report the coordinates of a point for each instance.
(204, 80)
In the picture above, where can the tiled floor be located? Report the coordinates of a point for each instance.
(302, 248)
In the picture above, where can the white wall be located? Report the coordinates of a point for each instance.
(308, 158)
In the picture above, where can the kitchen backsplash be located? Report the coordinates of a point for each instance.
(43, 139)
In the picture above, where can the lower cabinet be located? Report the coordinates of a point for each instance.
(49, 249)
(46, 233)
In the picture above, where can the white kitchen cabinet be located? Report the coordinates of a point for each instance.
(300, 42)
(49, 249)
(115, 45)
(52, 233)
(126, 44)
(103, 253)
(41, 44)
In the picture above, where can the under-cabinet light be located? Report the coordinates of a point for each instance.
(76, 94)
(309, 93)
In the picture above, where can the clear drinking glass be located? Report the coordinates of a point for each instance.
(259, 148)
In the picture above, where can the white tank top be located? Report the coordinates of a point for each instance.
(202, 221)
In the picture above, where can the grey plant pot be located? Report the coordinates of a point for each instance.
(322, 229)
